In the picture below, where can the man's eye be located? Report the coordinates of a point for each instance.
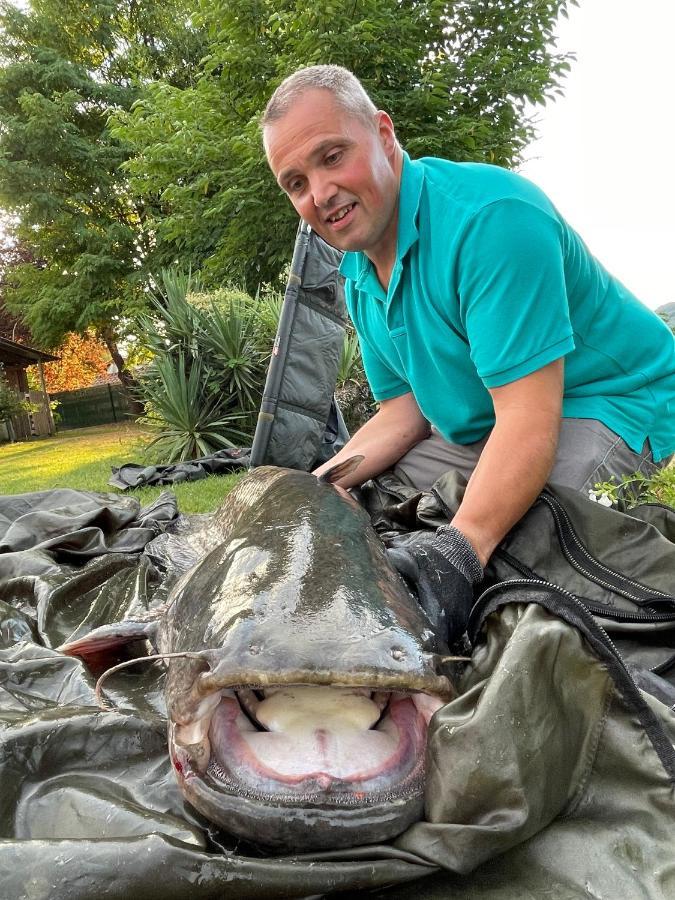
(294, 185)
(334, 158)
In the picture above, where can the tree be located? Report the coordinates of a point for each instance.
(12, 254)
(65, 69)
(81, 360)
(455, 75)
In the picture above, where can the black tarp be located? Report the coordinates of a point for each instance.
(222, 462)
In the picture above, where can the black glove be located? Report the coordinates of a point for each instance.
(442, 568)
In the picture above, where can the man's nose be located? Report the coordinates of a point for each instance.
(323, 190)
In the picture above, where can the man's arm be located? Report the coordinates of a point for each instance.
(516, 460)
(396, 427)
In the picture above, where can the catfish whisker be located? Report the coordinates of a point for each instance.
(132, 662)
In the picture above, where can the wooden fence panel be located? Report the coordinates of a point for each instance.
(21, 427)
(41, 422)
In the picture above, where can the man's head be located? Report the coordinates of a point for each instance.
(337, 158)
(345, 88)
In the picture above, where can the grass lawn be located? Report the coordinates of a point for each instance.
(82, 459)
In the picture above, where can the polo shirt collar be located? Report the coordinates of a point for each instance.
(356, 266)
(412, 179)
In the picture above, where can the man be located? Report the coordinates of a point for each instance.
(480, 313)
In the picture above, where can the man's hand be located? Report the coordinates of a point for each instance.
(443, 569)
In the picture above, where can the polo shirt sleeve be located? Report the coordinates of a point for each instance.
(512, 292)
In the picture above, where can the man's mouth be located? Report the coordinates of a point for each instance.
(340, 213)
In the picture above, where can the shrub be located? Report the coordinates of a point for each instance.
(204, 384)
(12, 404)
(190, 422)
(352, 390)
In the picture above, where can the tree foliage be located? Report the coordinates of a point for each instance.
(65, 68)
(129, 131)
(12, 254)
(456, 76)
(82, 359)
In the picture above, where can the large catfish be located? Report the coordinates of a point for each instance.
(298, 719)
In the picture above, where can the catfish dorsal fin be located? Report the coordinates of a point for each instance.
(335, 473)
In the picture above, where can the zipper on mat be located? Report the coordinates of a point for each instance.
(596, 608)
(595, 635)
(563, 524)
(551, 588)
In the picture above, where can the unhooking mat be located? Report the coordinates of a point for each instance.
(551, 775)
(222, 462)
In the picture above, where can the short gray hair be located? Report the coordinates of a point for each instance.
(345, 87)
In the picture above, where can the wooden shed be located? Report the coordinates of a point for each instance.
(15, 359)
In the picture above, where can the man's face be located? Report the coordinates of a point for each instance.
(341, 175)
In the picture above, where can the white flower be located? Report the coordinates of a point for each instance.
(602, 498)
(605, 500)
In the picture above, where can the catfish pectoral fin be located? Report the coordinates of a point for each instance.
(107, 645)
(335, 473)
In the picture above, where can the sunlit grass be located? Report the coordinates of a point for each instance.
(83, 458)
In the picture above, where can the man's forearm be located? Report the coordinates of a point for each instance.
(516, 460)
(511, 471)
(382, 441)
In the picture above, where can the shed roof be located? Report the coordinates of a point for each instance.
(13, 354)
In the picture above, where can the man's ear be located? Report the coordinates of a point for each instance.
(385, 131)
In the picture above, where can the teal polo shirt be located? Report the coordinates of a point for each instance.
(491, 284)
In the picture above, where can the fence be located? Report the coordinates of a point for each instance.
(24, 426)
(40, 421)
(99, 405)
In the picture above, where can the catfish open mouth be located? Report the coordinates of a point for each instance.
(304, 748)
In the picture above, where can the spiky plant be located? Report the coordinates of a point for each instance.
(190, 424)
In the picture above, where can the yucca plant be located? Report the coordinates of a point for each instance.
(228, 336)
(352, 390)
(174, 323)
(191, 424)
(350, 367)
(210, 356)
(268, 313)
